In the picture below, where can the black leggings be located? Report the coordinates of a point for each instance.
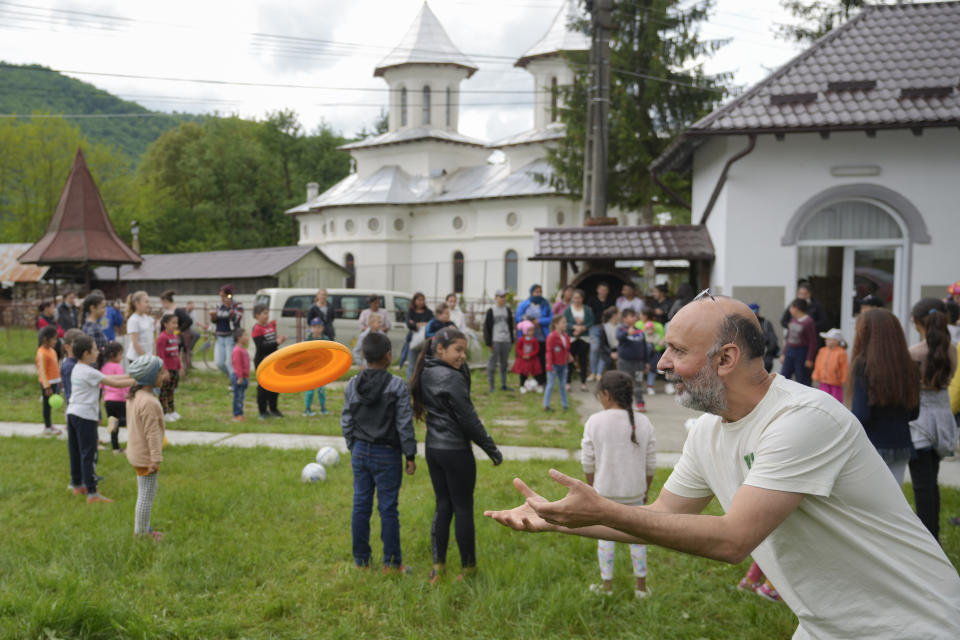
(926, 492)
(580, 350)
(45, 400)
(266, 400)
(453, 473)
(116, 409)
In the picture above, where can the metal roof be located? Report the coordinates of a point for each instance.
(558, 37)
(10, 268)
(643, 242)
(205, 265)
(80, 231)
(553, 131)
(393, 185)
(891, 66)
(426, 42)
(413, 135)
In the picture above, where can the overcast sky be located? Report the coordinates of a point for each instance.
(329, 48)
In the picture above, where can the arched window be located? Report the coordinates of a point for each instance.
(426, 105)
(351, 267)
(403, 106)
(458, 272)
(449, 107)
(510, 270)
(554, 97)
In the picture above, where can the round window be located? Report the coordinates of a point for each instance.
(398, 224)
(457, 223)
(373, 224)
(349, 226)
(560, 218)
(512, 219)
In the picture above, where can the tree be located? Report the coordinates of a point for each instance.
(657, 89)
(817, 18)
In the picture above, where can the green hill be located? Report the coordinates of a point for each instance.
(33, 88)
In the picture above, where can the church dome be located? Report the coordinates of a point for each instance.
(426, 42)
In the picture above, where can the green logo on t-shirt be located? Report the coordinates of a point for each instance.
(749, 460)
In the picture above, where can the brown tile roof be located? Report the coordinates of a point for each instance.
(13, 271)
(891, 66)
(80, 231)
(645, 242)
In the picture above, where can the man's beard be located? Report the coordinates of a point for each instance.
(702, 392)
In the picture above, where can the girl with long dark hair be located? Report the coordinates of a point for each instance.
(934, 432)
(440, 389)
(884, 399)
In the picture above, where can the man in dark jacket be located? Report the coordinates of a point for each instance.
(814, 310)
(67, 316)
(770, 341)
(377, 423)
(498, 335)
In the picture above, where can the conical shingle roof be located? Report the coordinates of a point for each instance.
(558, 37)
(80, 231)
(426, 42)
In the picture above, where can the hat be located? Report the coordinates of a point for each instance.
(316, 320)
(833, 334)
(145, 370)
(872, 301)
(523, 325)
(954, 289)
(500, 292)
(754, 307)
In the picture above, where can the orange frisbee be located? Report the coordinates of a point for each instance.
(304, 366)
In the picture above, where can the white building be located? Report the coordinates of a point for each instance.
(842, 167)
(425, 208)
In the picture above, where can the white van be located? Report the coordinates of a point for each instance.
(289, 308)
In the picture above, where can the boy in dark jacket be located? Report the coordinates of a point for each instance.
(498, 335)
(632, 354)
(377, 423)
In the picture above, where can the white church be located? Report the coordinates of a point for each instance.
(426, 208)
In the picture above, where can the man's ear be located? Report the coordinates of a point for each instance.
(730, 356)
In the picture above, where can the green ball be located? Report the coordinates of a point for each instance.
(55, 401)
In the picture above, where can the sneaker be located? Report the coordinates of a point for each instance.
(640, 594)
(548, 409)
(523, 389)
(569, 387)
(599, 590)
(641, 407)
(583, 387)
(361, 567)
(505, 389)
(539, 388)
(117, 452)
(403, 569)
(308, 413)
(767, 592)
(168, 417)
(96, 497)
(176, 416)
(746, 584)
(324, 412)
(671, 389)
(113, 424)
(264, 416)
(276, 414)
(77, 491)
(239, 418)
(51, 431)
(650, 391)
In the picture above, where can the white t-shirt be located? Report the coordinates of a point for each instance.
(853, 561)
(142, 325)
(85, 392)
(620, 467)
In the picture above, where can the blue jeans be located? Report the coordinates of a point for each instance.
(376, 467)
(596, 362)
(239, 391)
(223, 354)
(557, 376)
(654, 360)
(412, 358)
(793, 359)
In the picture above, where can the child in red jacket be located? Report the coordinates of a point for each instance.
(168, 350)
(557, 357)
(241, 372)
(527, 364)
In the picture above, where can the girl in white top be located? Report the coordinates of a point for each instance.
(140, 325)
(619, 456)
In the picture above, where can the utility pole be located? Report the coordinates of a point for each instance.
(598, 111)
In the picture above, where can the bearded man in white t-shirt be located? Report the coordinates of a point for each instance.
(802, 490)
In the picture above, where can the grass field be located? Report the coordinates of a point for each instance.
(17, 345)
(252, 552)
(204, 401)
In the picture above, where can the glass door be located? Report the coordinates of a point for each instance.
(868, 271)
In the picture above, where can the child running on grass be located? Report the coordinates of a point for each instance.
(168, 349)
(145, 434)
(48, 373)
(266, 341)
(619, 456)
(114, 398)
(441, 396)
(316, 333)
(83, 414)
(240, 376)
(377, 423)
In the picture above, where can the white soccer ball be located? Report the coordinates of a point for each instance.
(313, 472)
(530, 384)
(328, 457)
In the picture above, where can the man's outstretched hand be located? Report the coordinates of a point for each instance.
(581, 507)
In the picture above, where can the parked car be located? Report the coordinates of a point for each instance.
(289, 308)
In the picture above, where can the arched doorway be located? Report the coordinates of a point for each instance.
(850, 248)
